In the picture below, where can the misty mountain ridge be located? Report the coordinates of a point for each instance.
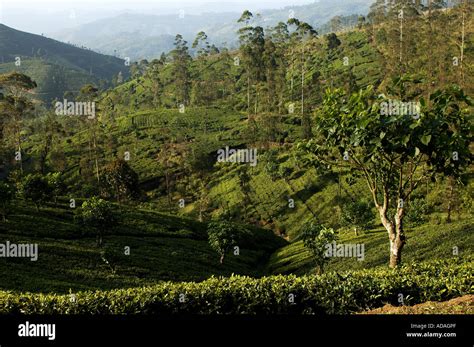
(146, 36)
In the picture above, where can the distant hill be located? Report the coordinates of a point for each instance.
(141, 36)
(55, 66)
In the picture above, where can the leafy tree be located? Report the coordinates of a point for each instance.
(15, 106)
(154, 74)
(35, 187)
(201, 43)
(252, 48)
(180, 70)
(56, 184)
(357, 214)
(277, 68)
(122, 179)
(49, 128)
(302, 33)
(332, 41)
(315, 238)
(98, 214)
(222, 237)
(394, 152)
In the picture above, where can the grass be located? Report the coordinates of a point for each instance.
(162, 247)
(424, 243)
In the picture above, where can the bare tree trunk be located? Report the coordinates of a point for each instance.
(395, 232)
(248, 96)
(398, 240)
(401, 37)
(302, 82)
(450, 199)
(96, 160)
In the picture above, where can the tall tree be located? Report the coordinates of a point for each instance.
(15, 105)
(180, 70)
(252, 48)
(302, 33)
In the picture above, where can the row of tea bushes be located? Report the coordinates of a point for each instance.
(325, 294)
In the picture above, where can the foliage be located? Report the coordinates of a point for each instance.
(316, 237)
(35, 187)
(417, 212)
(122, 180)
(357, 214)
(394, 151)
(223, 236)
(324, 294)
(98, 214)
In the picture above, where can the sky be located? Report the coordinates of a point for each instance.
(37, 16)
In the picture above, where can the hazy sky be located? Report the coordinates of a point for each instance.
(39, 16)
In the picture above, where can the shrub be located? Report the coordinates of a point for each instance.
(122, 180)
(98, 214)
(416, 212)
(35, 187)
(316, 294)
(357, 214)
(56, 184)
(315, 238)
(223, 236)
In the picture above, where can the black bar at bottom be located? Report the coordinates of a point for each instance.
(355, 330)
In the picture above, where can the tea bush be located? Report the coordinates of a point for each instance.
(324, 294)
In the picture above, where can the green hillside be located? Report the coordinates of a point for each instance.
(425, 243)
(55, 66)
(332, 160)
(162, 248)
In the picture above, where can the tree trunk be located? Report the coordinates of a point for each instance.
(221, 260)
(395, 233)
(99, 239)
(450, 199)
(397, 241)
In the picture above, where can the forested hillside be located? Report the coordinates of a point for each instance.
(55, 66)
(258, 160)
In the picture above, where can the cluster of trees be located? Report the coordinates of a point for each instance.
(278, 74)
(35, 188)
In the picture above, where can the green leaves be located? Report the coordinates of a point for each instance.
(323, 294)
(425, 139)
